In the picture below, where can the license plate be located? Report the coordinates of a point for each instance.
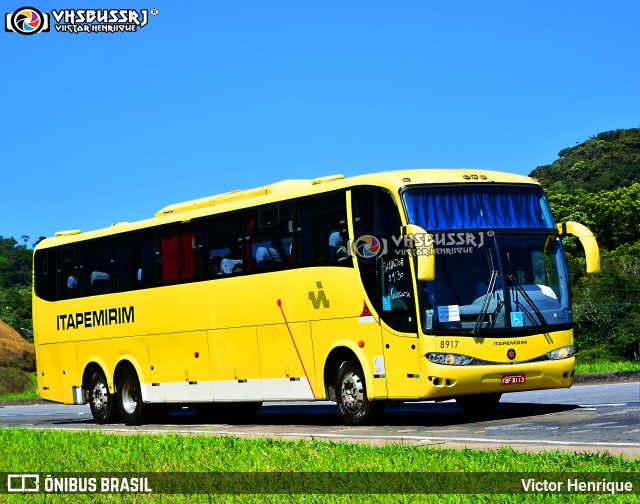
(513, 379)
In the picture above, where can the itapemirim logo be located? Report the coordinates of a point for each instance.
(26, 21)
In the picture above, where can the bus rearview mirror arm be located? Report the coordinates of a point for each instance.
(423, 251)
(588, 241)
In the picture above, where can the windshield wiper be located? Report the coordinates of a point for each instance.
(524, 294)
(488, 295)
(509, 276)
(487, 301)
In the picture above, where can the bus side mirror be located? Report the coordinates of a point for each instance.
(584, 234)
(422, 249)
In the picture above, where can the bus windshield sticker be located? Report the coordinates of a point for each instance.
(386, 303)
(450, 313)
(516, 319)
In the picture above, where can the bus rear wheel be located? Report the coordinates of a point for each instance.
(481, 404)
(351, 395)
(102, 403)
(132, 409)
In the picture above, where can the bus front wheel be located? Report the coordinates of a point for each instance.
(480, 404)
(132, 409)
(101, 402)
(351, 395)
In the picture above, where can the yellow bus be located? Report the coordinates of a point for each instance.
(398, 286)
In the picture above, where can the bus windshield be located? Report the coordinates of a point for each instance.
(499, 262)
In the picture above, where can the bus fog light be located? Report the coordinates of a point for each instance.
(562, 353)
(449, 359)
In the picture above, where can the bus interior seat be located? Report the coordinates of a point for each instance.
(216, 262)
(72, 286)
(100, 282)
(267, 258)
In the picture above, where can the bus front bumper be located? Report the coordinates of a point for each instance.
(444, 381)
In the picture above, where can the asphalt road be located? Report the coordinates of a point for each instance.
(595, 418)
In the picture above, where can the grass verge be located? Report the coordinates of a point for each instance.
(606, 366)
(45, 451)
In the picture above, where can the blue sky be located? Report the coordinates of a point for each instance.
(215, 96)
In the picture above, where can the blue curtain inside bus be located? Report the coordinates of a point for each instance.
(478, 208)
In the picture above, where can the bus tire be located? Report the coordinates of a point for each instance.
(480, 404)
(351, 396)
(132, 409)
(102, 403)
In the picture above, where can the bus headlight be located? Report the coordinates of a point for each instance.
(449, 359)
(562, 353)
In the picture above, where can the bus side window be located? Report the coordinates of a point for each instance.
(67, 272)
(177, 254)
(134, 254)
(269, 243)
(45, 274)
(96, 267)
(220, 246)
(321, 231)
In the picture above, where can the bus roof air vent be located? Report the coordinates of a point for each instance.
(328, 178)
(70, 232)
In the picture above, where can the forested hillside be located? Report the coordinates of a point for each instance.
(597, 183)
(15, 285)
(17, 358)
(607, 161)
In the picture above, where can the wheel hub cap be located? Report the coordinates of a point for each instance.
(130, 397)
(352, 391)
(100, 396)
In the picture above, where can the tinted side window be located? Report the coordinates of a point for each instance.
(220, 246)
(67, 272)
(385, 272)
(321, 231)
(176, 254)
(44, 264)
(96, 270)
(134, 254)
(269, 238)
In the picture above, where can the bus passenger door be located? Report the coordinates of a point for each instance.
(385, 273)
(399, 328)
